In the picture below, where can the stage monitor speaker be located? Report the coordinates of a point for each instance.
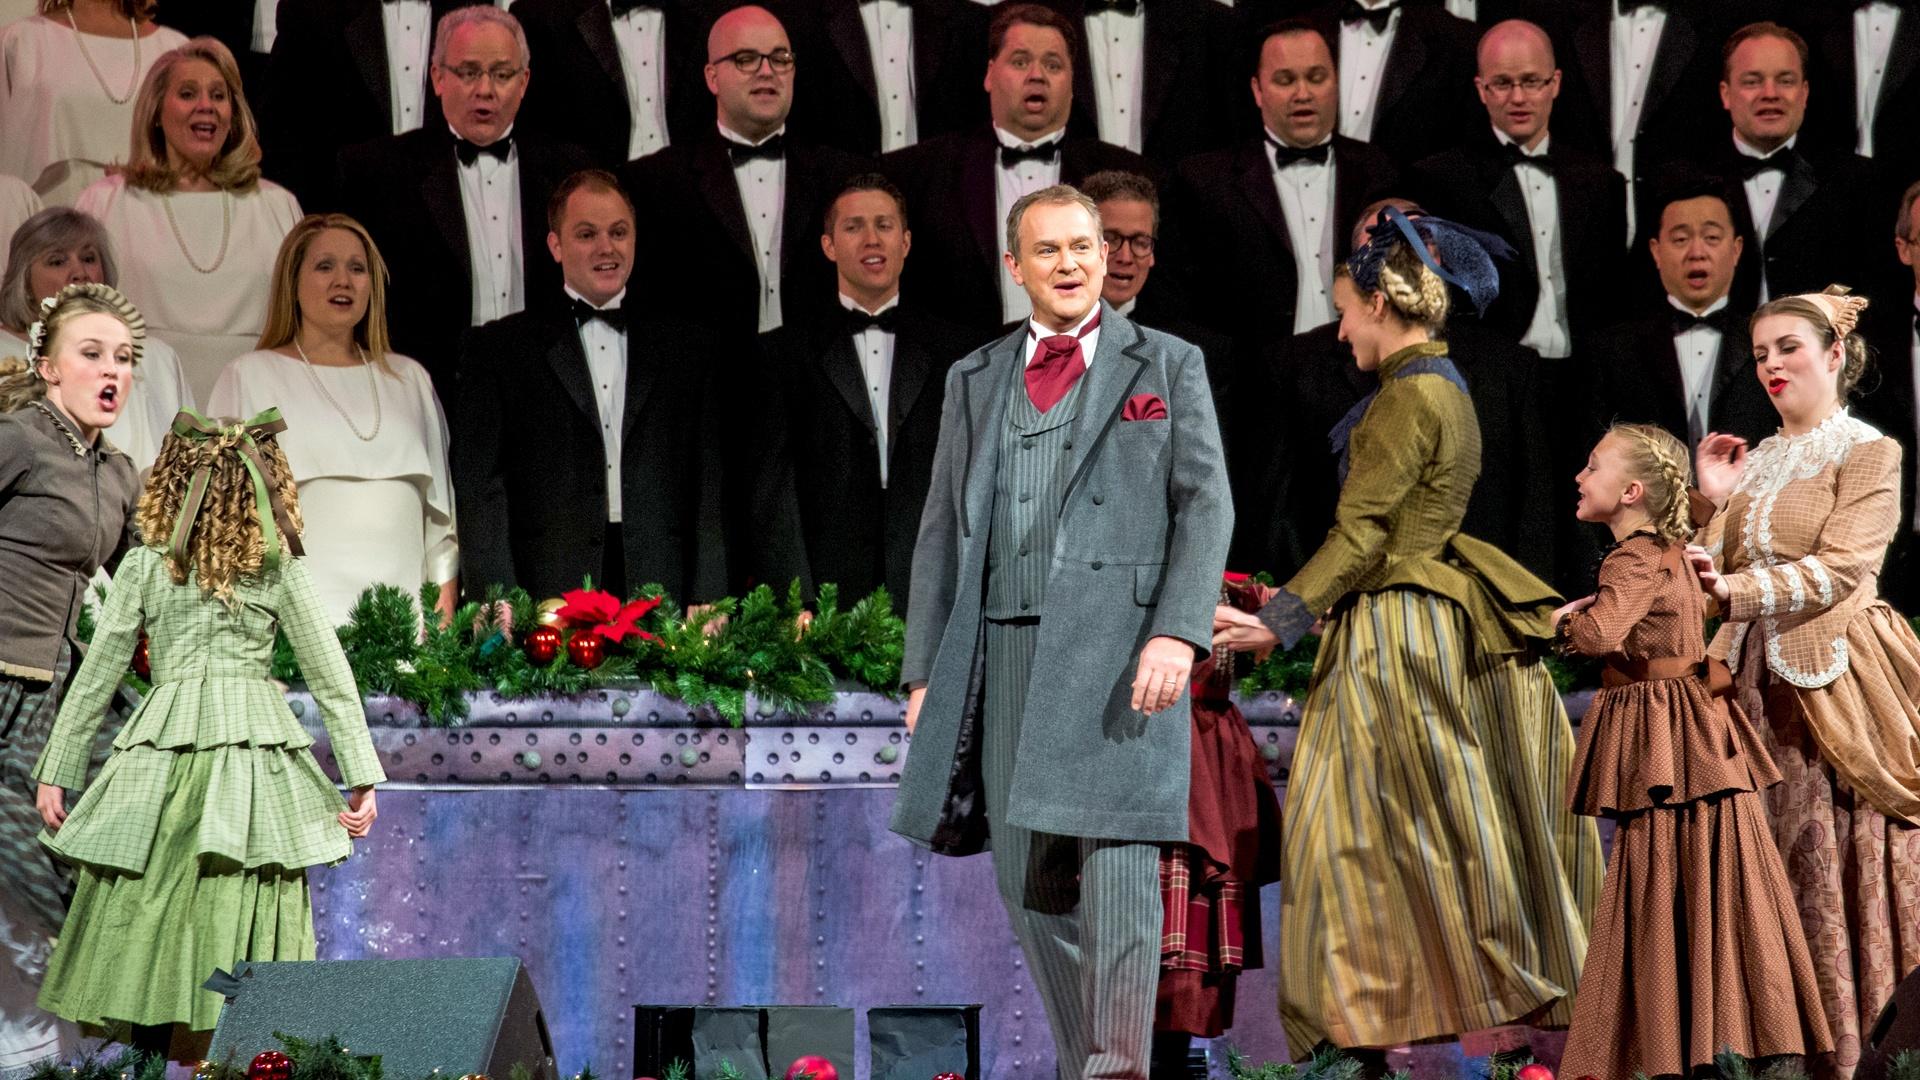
(1897, 1029)
(457, 1015)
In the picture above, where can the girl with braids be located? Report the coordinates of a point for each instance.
(192, 843)
(1431, 884)
(1696, 944)
(66, 510)
(1828, 671)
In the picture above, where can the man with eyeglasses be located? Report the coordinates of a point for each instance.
(740, 207)
(962, 185)
(459, 209)
(1563, 211)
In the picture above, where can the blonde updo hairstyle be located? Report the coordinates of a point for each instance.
(1834, 313)
(227, 545)
(1414, 293)
(22, 378)
(1658, 460)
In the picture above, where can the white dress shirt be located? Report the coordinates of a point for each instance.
(1633, 42)
(1009, 184)
(1088, 345)
(606, 350)
(1763, 195)
(265, 18)
(1363, 62)
(640, 36)
(1547, 334)
(1873, 28)
(1464, 9)
(889, 26)
(490, 201)
(409, 30)
(874, 347)
(763, 186)
(1126, 309)
(1306, 205)
(1116, 46)
(1698, 350)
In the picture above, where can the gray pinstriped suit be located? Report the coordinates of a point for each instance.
(1054, 545)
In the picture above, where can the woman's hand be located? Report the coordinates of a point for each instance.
(1565, 610)
(360, 812)
(1711, 580)
(1717, 466)
(51, 801)
(448, 600)
(1241, 632)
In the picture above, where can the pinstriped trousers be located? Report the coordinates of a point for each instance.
(1087, 912)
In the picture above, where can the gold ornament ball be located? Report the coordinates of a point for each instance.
(548, 614)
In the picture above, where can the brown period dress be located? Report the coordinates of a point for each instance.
(1696, 944)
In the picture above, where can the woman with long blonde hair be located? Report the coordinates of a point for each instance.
(232, 805)
(195, 226)
(367, 437)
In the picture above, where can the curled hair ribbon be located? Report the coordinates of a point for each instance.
(268, 506)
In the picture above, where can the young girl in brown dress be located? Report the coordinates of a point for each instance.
(1696, 945)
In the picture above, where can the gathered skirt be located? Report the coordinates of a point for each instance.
(1433, 881)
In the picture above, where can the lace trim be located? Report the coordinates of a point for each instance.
(1800, 678)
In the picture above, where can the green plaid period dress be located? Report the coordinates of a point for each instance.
(192, 843)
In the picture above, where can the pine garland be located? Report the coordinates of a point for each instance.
(864, 644)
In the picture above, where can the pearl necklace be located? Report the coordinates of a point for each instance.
(133, 84)
(226, 231)
(373, 386)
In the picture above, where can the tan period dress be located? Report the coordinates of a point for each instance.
(1831, 676)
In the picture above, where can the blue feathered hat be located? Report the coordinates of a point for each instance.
(1466, 254)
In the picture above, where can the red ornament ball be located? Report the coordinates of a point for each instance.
(586, 650)
(270, 1065)
(949, 1076)
(541, 645)
(813, 1067)
(1535, 1071)
(142, 662)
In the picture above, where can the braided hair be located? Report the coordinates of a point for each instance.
(1659, 461)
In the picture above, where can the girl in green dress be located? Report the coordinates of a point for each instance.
(191, 846)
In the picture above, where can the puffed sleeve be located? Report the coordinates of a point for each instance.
(1631, 577)
(1852, 543)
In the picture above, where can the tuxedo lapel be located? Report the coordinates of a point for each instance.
(1255, 181)
(595, 24)
(1670, 58)
(1404, 60)
(911, 365)
(1592, 51)
(440, 190)
(1503, 190)
(1902, 57)
(1666, 368)
(713, 175)
(367, 40)
(643, 367)
(799, 229)
(1795, 189)
(841, 365)
(1161, 51)
(569, 364)
(1734, 360)
(534, 181)
(979, 158)
(849, 36)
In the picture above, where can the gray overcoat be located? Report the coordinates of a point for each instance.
(1142, 543)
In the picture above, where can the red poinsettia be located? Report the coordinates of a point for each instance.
(602, 614)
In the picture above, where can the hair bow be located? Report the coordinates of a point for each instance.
(266, 499)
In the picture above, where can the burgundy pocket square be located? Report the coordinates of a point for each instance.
(1144, 407)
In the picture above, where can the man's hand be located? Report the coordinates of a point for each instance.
(1165, 665)
(914, 697)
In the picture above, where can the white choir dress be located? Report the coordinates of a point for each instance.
(209, 317)
(59, 129)
(376, 512)
(159, 393)
(18, 202)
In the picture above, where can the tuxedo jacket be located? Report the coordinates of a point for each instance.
(837, 98)
(578, 91)
(1194, 95)
(527, 458)
(958, 236)
(340, 45)
(1224, 211)
(823, 515)
(406, 190)
(1825, 226)
(1886, 399)
(1833, 121)
(1475, 184)
(1630, 372)
(1426, 102)
(707, 271)
(1289, 490)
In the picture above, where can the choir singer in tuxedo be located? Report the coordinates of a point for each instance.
(852, 412)
(584, 432)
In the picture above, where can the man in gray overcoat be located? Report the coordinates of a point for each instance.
(1064, 582)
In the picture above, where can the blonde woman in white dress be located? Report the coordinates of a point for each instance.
(194, 225)
(68, 79)
(61, 246)
(366, 437)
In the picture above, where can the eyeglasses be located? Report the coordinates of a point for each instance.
(747, 61)
(1141, 243)
(1532, 84)
(469, 74)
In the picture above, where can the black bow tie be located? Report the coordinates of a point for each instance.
(1517, 156)
(584, 313)
(1124, 7)
(1781, 159)
(1352, 12)
(469, 152)
(773, 149)
(623, 7)
(1284, 155)
(1628, 7)
(1014, 155)
(1684, 321)
(859, 321)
